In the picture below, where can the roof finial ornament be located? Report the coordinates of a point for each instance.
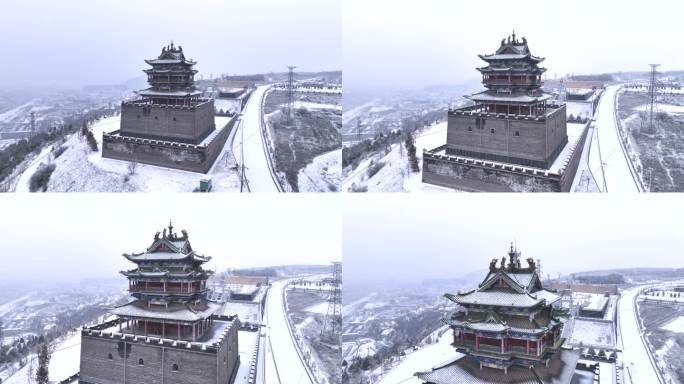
(170, 228)
(514, 41)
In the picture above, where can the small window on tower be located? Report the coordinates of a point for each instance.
(141, 362)
(174, 368)
(470, 129)
(491, 130)
(155, 117)
(174, 119)
(110, 357)
(517, 133)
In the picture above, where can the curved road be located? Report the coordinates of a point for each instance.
(258, 168)
(289, 368)
(616, 167)
(635, 355)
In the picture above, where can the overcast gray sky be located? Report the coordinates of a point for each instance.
(74, 236)
(407, 43)
(447, 236)
(76, 42)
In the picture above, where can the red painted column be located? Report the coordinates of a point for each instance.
(527, 347)
(502, 345)
(477, 342)
(179, 330)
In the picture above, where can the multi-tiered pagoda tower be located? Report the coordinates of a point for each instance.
(512, 121)
(171, 124)
(508, 329)
(172, 108)
(169, 329)
(511, 129)
(169, 287)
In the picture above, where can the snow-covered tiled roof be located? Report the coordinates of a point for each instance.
(174, 311)
(496, 298)
(519, 98)
(560, 369)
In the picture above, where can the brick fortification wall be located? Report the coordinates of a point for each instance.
(523, 141)
(195, 366)
(476, 177)
(176, 155)
(184, 124)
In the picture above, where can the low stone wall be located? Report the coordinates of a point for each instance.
(476, 176)
(187, 157)
(570, 170)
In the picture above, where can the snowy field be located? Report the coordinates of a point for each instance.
(80, 170)
(323, 174)
(676, 325)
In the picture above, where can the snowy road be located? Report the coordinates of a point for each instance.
(635, 355)
(289, 369)
(258, 167)
(617, 174)
(25, 178)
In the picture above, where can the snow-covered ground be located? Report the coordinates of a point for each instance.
(258, 171)
(246, 343)
(395, 176)
(64, 362)
(283, 364)
(81, 170)
(323, 174)
(422, 360)
(635, 355)
(676, 325)
(660, 107)
(606, 148)
(310, 105)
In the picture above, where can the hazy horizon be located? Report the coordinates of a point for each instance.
(72, 43)
(437, 41)
(78, 236)
(448, 236)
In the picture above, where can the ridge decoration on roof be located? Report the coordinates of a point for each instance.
(171, 54)
(509, 284)
(512, 49)
(168, 246)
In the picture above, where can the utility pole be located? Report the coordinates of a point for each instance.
(290, 92)
(334, 313)
(652, 95)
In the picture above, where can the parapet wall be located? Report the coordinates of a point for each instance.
(187, 157)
